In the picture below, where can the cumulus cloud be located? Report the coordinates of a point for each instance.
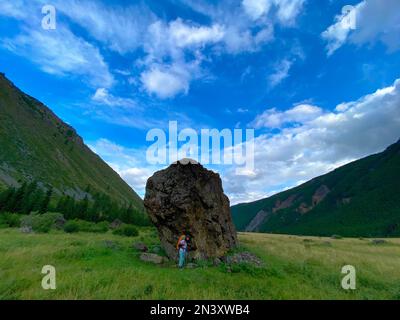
(166, 82)
(374, 21)
(286, 10)
(172, 52)
(320, 142)
(172, 42)
(273, 118)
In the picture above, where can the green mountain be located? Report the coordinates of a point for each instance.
(358, 199)
(35, 145)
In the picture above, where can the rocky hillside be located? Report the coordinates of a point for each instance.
(36, 145)
(358, 199)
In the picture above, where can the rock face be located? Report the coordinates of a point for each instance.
(188, 199)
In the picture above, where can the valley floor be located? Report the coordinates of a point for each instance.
(105, 266)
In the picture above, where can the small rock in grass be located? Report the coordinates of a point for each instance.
(153, 258)
(140, 246)
(379, 241)
(217, 262)
(191, 266)
(115, 224)
(244, 257)
(26, 229)
(110, 244)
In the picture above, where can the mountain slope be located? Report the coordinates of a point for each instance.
(36, 145)
(358, 199)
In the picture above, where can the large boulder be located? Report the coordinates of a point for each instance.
(188, 199)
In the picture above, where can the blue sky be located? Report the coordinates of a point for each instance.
(317, 93)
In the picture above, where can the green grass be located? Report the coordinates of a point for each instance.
(295, 268)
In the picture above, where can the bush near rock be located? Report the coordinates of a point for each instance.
(127, 231)
(43, 222)
(189, 199)
(71, 227)
(77, 225)
(10, 220)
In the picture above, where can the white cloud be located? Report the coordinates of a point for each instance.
(165, 82)
(321, 142)
(256, 8)
(102, 96)
(61, 53)
(171, 41)
(273, 118)
(286, 10)
(122, 29)
(174, 51)
(281, 69)
(281, 72)
(129, 163)
(375, 21)
(336, 35)
(15, 9)
(184, 35)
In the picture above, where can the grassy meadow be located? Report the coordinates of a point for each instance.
(105, 266)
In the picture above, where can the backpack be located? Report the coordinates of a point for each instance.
(178, 244)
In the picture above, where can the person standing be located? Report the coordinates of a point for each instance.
(182, 247)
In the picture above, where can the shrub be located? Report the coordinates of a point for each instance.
(43, 222)
(71, 227)
(126, 230)
(101, 227)
(85, 226)
(10, 220)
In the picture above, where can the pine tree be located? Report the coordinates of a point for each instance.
(15, 203)
(70, 208)
(5, 198)
(28, 200)
(82, 209)
(44, 205)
